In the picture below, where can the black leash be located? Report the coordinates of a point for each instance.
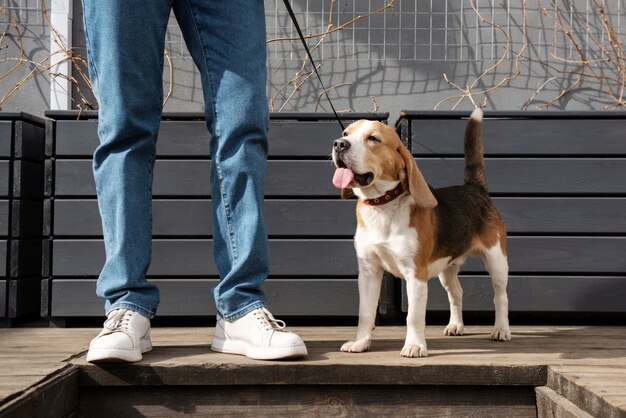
(306, 47)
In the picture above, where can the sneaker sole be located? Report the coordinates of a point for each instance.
(116, 355)
(257, 353)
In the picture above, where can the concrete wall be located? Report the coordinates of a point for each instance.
(398, 57)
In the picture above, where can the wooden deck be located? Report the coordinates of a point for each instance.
(574, 370)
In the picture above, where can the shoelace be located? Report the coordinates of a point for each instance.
(267, 320)
(118, 321)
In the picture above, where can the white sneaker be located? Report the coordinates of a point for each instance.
(257, 335)
(125, 336)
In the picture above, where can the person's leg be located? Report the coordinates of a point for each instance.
(227, 41)
(125, 42)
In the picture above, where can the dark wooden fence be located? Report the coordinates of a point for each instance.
(313, 266)
(21, 202)
(559, 179)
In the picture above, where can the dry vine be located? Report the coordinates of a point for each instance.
(304, 74)
(612, 59)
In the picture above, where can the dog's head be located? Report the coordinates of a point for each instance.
(371, 159)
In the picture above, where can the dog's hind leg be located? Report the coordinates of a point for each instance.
(497, 265)
(450, 281)
(370, 280)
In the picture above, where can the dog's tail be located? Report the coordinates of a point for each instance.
(474, 162)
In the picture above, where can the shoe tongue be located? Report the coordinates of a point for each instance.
(342, 178)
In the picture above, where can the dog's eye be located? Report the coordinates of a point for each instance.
(373, 139)
(344, 134)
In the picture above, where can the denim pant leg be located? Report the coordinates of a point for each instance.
(125, 42)
(227, 42)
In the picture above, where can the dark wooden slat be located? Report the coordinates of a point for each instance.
(541, 137)
(28, 180)
(3, 258)
(537, 176)
(176, 138)
(27, 218)
(563, 215)
(25, 258)
(195, 257)
(29, 141)
(24, 296)
(192, 297)
(302, 139)
(313, 178)
(193, 218)
(4, 178)
(191, 138)
(172, 178)
(3, 298)
(6, 138)
(4, 218)
(336, 256)
(537, 294)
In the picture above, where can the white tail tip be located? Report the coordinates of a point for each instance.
(477, 115)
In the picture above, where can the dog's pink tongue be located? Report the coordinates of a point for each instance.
(342, 178)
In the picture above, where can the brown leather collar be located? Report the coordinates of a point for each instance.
(386, 198)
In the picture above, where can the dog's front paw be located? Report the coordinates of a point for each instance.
(414, 350)
(454, 328)
(357, 346)
(501, 333)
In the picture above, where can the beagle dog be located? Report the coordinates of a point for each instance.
(415, 232)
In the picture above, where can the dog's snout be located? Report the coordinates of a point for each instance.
(341, 145)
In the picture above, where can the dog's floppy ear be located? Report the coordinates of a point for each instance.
(346, 193)
(414, 181)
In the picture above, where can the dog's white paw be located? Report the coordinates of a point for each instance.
(357, 346)
(501, 334)
(454, 328)
(414, 350)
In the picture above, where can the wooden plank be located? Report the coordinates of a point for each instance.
(28, 180)
(175, 178)
(4, 178)
(193, 297)
(551, 404)
(193, 217)
(539, 215)
(24, 296)
(595, 176)
(79, 138)
(185, 257)
(6, 138)
(27, 218)
(578, 255)
(540, 137)
(309, 400)
(53, 396)
(29, 141)
(25, 258)
(3, 258)
(4, 218)
(3, 298)
(563, 176)
(537, 294)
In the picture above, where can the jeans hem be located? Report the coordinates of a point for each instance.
(125, 305)
(244, 311)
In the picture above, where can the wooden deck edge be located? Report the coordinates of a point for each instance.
(552, 405)
(54, 396)
(307, 374)
(583, 397)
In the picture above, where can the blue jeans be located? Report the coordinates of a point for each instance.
(125, 43)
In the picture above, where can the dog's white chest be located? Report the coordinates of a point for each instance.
(388, 238)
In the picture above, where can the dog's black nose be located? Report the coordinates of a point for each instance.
(341, 145)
